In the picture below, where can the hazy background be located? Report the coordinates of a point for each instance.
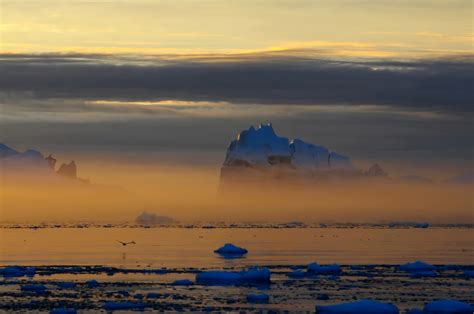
(146, 95)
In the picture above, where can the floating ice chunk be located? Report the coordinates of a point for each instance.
(38, 288)
(468, 273)
(252, 275)
(258, 298)
(256, 275)
(296, 274)
(229, 250)
(17, 271)
(115, 306)
(333, 269)
(422, 225)
(218, 277)
(358, 307)
(153, 295)
(92, 283)
(66, 285)
(417, 266)
(63, 311)
(448, 307)
(183, 282)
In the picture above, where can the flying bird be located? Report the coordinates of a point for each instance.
(126, 243)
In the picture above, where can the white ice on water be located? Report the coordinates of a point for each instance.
(358, 307)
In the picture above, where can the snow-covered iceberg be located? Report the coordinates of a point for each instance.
(230, 250)
(262, 147)
(358, 307)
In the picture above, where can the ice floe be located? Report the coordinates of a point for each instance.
(448, 307)
(126, 305)
(66, 285)
(315, 268)
(358, 307)
(297, 274)
(417, 266)
(17, 271)
(254, 275)
(63, 311)
(38, 288)
(92, 283)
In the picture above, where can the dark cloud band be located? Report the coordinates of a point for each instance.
(431, 85)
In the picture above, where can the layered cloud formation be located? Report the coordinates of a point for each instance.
(433, 85)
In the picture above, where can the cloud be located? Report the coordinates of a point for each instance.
(436, 85)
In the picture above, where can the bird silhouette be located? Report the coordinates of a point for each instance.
(126, 243)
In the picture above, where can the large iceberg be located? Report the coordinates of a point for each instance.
(262, 147)
(358, 307)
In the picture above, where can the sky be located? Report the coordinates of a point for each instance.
(175, 81)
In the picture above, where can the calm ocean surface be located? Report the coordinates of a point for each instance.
(181, 247)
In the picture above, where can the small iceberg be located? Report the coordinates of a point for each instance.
(230, 250)
(183, 282)
(417, 266)
(448, 307)
(258, 298)
(358, 307)
(333, 269)
(116, 306)
(253, 275)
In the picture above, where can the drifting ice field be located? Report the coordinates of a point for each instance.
(86, 269)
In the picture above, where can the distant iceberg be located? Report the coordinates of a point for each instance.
(417, 267)
(463, 178)
(358, 307)
(261, 146)
(146, 218)
(260, 155)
